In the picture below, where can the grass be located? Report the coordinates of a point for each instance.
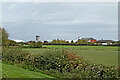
(10, 71)
(106, 55)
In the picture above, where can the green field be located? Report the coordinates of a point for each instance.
(105, 55)
(97, 54)
(10, 71)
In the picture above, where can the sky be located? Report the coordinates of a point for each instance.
(59, 0)
(63, 20)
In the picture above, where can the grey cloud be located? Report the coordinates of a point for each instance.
(60, 20)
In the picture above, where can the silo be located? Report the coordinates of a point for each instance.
(37, 38)
(79, 38)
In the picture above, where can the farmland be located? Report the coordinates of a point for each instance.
(96, 54)
(50, 60)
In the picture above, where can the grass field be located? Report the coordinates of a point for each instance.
(97, 54)
(10, 71)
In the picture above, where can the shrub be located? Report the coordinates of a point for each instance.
(59, 64)
(14, 55)
(34, 44)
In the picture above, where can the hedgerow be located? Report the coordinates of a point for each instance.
(59, 64)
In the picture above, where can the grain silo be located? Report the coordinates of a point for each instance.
(37, 38)
(79, 38)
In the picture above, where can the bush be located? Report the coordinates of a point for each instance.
(61, 64)
(14, 55)
(34, 44)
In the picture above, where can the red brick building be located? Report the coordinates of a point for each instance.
(93, 40)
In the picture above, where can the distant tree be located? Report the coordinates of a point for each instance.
(54, 41)
(39, 45)
(118, 42)
(114, 42)
(108, 43)
(72, 42)
(34, 44)
(22, 43)
(45, 42)
(12, 43)
(59, 41)
(67, 42)
(82, 41)
(31, 44)
(99, 44)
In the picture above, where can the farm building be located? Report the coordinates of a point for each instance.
(89, 39)
(18, 41)
(37, 38)
(105, 42)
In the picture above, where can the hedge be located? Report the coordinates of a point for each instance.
(59, 64)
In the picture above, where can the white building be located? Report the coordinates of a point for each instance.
(18, 41)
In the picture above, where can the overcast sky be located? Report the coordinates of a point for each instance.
(65, 20)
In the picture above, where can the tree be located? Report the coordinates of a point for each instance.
(39, 45)
(46, 42)
(54, 41)
(59, 41)
(4, 37)
(22, 43)
(67, 42)
(82, 41)
(34, 44)
(72, 42)
(12, 43)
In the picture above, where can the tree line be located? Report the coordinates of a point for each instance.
(5, 42)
